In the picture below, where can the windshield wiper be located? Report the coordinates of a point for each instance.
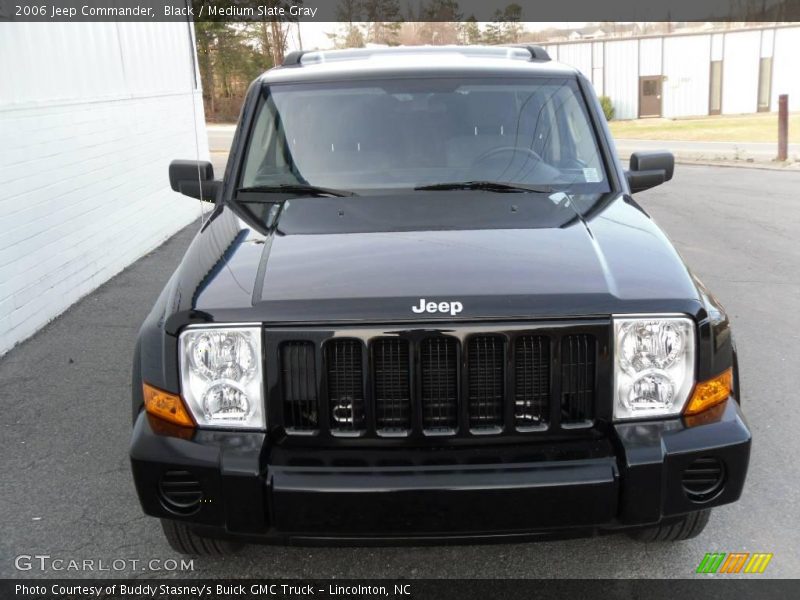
(489, 186)
(297, 188)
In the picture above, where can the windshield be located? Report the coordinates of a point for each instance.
(409, 133)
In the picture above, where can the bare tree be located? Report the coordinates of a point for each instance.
(274, 34)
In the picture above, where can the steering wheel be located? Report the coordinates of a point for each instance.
(495, 152)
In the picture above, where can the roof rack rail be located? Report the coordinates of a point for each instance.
(293, 58)
(537, 52)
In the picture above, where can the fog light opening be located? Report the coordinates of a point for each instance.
(180, 492)
(704, 479)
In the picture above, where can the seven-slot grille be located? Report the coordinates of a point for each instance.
(345, 386)
(299, 379)
(486, 373)
(531, 381)
(577, 379)
(391, 374)
(439, 384)
(400, 385)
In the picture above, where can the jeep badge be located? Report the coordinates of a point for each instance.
(438, 307)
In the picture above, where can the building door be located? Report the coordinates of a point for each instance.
(650, 96)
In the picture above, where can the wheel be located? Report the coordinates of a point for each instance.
(684, 528)
(182, 539)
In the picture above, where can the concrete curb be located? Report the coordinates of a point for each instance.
(788, 166)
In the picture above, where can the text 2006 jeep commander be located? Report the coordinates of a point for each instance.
(426, 307)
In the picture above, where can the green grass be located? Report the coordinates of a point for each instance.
(740, 128)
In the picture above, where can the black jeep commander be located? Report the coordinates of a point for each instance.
(426, 307)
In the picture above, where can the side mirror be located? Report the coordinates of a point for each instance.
(193, 178)
(649, 169)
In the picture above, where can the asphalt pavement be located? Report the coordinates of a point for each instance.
(64, 398)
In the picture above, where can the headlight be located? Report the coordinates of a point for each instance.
(654, 366)
(221, 376)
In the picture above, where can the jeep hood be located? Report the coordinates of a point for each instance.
(323, 263)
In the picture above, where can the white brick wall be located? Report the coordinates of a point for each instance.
(90, 116)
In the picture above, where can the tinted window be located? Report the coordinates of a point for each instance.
(405, 133)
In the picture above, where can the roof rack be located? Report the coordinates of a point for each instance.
(295, 58)
(538, 53)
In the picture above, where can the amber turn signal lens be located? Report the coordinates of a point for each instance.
(710, 393)
(166, 405)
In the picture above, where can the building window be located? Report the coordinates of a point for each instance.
(764, 84)
(715, 97)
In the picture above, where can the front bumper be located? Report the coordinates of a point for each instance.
(255, 491)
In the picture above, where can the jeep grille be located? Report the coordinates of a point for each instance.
(433, 384)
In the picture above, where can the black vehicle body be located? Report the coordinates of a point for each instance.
(326, 271)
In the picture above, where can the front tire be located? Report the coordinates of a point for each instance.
(684, 528)
(182, 539)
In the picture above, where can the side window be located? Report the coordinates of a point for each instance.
(261, 146)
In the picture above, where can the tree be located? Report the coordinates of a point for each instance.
(206, 33)
(384, 21)
(262, 32)
(608, 107)
(506, 27)
(279, 34)
(229, 56)
(349, 13)
(470, 31)
(512, 27)
(274, 34)
(438, 22)
(753, 10)
(493, 34)
(354, 38)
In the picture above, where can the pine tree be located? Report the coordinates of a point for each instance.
(470, 31)
(383, 21)
(506, 27)
(349, 13)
